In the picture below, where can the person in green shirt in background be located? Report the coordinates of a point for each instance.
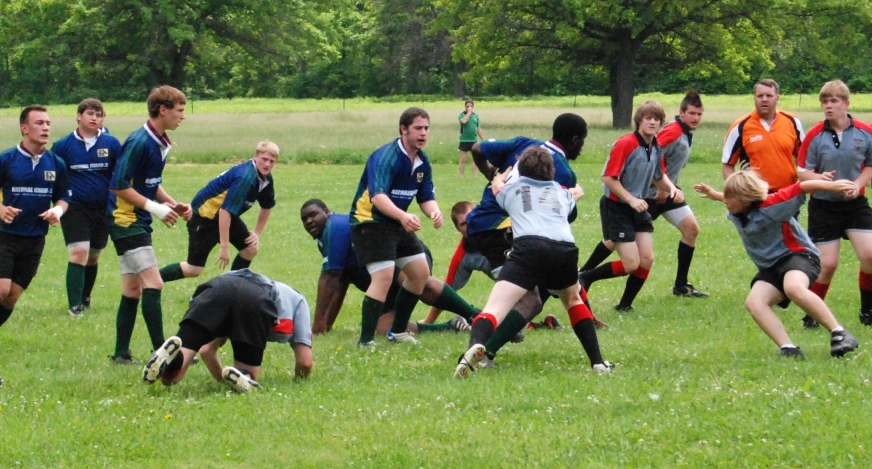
(470, 132)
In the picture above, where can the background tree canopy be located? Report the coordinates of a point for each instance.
(62, 50)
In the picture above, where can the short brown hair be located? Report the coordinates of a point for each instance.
(409, 116)
(770, 83)
(460, 208)
(691, 98)
(747, 186)
(834, 89)
(536, 163)
(649, 108)
(165, 96)
(90, 103)
(25, 113)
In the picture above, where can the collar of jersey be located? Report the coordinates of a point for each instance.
(161, 140)
(418, 160)
(555, 147)
(27, 153)
(828, 127)
(82, 139)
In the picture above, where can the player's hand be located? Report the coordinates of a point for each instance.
(184, 210)
(51, 217)
(704, 190)
(436, 216)
(505, 174)
(677, 195)
(223, 257)
(319, 326)
(170, 219)
(253, 239)
(845, 187)
(661, 196)
(8, 214)
(828, 176)
(410, 222)
(639, 205)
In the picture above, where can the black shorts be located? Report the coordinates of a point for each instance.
(806, 261)
(123, 245)
(234, 307)
(465, 146)
(203, 236)
(19, 257)
(81, 223)
(534, 261)
(621, 223)
(829, 221)
(378, 242)
(493, 244)
(656, 209)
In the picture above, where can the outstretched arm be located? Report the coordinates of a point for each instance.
(708, 193)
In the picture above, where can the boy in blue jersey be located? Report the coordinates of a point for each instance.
(383, 232)
(786, 259)
(340, 269)
(137, 195)
(250, 310)
(90, 156)
(488, 225)
(31, 180)
(543, 255)
(633, 163)
(217, 211)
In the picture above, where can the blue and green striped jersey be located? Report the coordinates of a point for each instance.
(235, 190)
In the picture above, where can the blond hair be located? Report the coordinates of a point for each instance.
(834, 89)
(649, 108)
(267, 147)
(747, 186)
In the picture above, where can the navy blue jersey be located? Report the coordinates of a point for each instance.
(235, 190)
(90, 168)
(335, 247)
(32, 186)
(503, 154)
(390, 172)
(140, 167)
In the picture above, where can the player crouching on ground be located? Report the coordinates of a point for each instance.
(543, 253)
(249, 309)
(787, 260)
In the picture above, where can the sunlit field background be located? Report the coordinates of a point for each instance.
(696, 383)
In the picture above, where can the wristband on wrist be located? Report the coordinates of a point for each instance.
(156, 209)
(57, 210)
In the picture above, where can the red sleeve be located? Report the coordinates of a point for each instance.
(783, 195)
(618, 156)
(669, 134)
(803, 150)
(285, 326)
(455, 261)
(862, 125)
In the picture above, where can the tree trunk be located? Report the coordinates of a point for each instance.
(459, 88)
(622, 87)
(180, 59)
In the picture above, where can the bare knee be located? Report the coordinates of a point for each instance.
(79, 255)
(250, 251)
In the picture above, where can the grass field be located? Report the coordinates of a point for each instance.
(696, 383)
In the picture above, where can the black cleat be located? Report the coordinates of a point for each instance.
(551, 322)
(689, 291)
(1, 382)
(842, 342)
(809, 323)
(792, 352)
(77, 311)
(124, 359)
(866, 318)
(518, 338)
(86, 302)
(599, 324)
(623, 309)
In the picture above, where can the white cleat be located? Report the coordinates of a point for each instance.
(155, 365)
(239, 381)
(469, 361)
(458, 324)
(604, 368)
(397, 338)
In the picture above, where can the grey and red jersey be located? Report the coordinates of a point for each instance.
(537, 208)
(769, 231)
(635, 164)
(823, 150)
(675, 140)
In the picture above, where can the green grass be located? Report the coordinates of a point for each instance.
(697, 384)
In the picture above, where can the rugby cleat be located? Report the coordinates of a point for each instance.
(86, 302)
(603, 368)
(239, 380)
(866, 318)
(125, 359)
(368, 345)
(155, 365)
(77, 311)
(842, 342)
(689, 291)
(459, 324)
(792, 352)
(624, 309)
(401, 337)
(809, 323)
(470, 360)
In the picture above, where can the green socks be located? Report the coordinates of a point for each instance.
(508, 329)
(75, 283)
(153, 315)
(124, 322)
(403, 308)
(171, 272)
(424, 327)
(90, 280)
(371, 311)
(450, 301)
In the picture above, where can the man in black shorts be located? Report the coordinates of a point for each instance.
(90, 156)
(247, 308)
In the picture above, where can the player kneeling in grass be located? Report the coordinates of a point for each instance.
(787, 260)
(249, 309)
(217, 210)
(543, 253)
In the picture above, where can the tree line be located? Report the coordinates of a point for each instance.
(58, 51)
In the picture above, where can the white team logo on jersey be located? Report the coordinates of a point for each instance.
(755, 138)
